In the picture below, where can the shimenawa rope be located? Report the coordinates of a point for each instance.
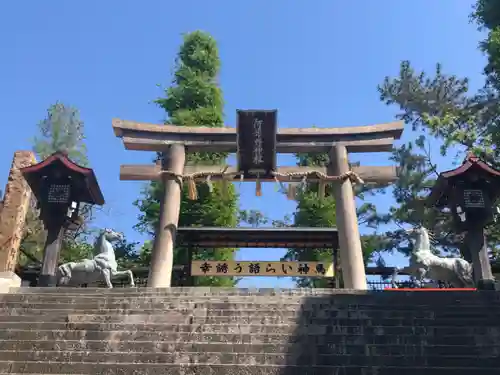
(278, 176)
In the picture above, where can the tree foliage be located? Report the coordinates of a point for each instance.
(487, 16)
(62, 130)
(195, 99)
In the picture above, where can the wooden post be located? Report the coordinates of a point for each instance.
(351, 255)
(53, 244)
(477, 249)
(337, 274)
(188, 270)
(160, 272)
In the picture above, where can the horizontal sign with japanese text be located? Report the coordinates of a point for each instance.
(261, 268)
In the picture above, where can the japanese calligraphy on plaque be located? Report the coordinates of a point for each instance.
(256, 132)
(261, 268)
(474, 198)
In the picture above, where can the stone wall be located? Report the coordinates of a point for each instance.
(15, 205)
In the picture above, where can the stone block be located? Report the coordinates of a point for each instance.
(15, 205)
(9, 280)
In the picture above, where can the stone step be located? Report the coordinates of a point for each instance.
(247, 305)
(377, 298)
(102, 314)
(296, 315)
(133, 294)
(11, 299)
(215, 369)
(345, 326)
(202, 347)
(161, 303)
(217, 292)
(250, 359)
(353, 335)
(235, 292)
(111, 321)
(193, 291)
(241, 304)
(381, 299)
(365, 320)
(214, 291)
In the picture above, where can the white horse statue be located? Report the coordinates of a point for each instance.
(102, 266)
(426, 265)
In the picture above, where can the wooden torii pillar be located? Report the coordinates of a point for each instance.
(175, 141)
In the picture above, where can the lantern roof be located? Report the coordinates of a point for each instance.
(473, 166)
(84, 179)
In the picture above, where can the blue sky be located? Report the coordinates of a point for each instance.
(318, 62)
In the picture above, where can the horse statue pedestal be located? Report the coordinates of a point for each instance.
(488, 284)
(101, 268)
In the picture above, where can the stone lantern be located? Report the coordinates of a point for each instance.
(470, 192)
(60, 187)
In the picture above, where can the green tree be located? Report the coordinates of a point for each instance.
(487, 16)
(254, 218)
(62, 130)
(194, 99)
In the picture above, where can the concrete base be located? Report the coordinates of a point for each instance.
(488, 284)
(47, 281)
(9, 280)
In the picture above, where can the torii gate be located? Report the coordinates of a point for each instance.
(174, 141)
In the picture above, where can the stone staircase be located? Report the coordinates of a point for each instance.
(206, 331)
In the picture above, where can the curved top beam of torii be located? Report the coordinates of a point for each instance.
(151, 137)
